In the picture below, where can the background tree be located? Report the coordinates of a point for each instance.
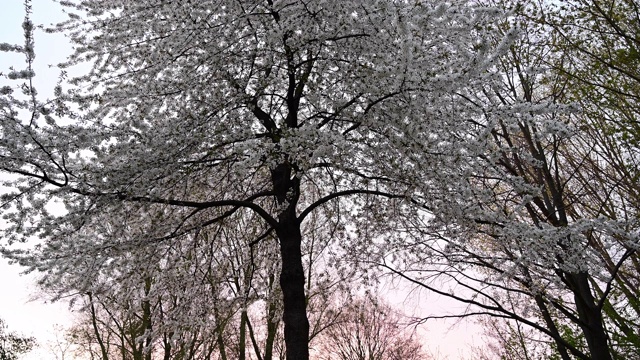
(511, 340)
(600, 41)
(13, 345)
(158, 313)
(366, 329)
(556, 239)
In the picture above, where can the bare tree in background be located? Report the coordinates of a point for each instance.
(367, 329)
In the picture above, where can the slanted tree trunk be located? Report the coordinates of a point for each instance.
(551, 325)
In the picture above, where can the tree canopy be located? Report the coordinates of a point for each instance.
(213, 142)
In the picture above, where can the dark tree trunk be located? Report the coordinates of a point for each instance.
(96, 331)
(590, 316)
(243, 335)
(296, 324)
(272, 325)
(551, 325)
(146, 319)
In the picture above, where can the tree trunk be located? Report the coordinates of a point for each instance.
(103, 349)
(551, 325)
(146, 319)
(219, 339)
(243, 335)
(296, 324)
(272, 324)
(590, 317)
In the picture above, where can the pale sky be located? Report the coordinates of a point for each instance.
(25, 314)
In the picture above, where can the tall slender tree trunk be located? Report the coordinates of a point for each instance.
(272, 324)
(296, 323)
(96, 331)
(146, 319)
(243, 335)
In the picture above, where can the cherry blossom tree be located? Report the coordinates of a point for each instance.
(195, 112)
